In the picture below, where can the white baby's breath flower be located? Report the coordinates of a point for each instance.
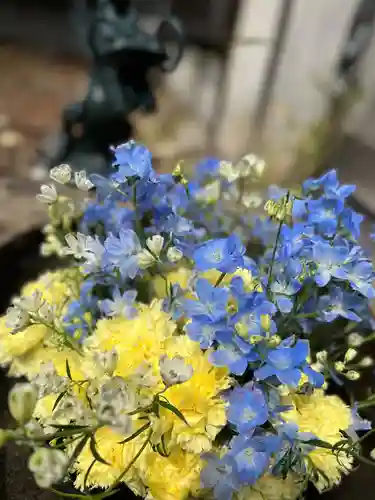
(16, 318)
(174, 370)
(47, 195)
(48, 466)
(61, 174)
(82, 182)
(22, 400)
(350, 355)
(155, 244)
(355, 339)
(145, 259)
(366, 362)
(174, 254)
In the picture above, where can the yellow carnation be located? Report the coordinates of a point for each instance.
(171, 478)
(137, 341)
(118, 456)
(197, 398)
(324, 416)
(270, 487)
(57, 287)
(27, 349)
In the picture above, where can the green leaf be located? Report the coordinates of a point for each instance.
(58, 399)
(88, 473)
(68, 372)
(69, 426)
(163, 447)
(95, 452)
(166, 404)
(318, 443)
(136, 433)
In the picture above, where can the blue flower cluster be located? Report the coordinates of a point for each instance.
(312, 271)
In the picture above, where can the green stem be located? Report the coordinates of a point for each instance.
(220, 279)
(274, 255)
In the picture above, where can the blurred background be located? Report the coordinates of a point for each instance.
(291, 80)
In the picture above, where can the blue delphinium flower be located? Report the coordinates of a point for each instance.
(133, 160)
(247, 409)
(225, 255)
(283, 293)
(212, 301)
(231, 356)
(252, 455)
(285, 362)
(122, 304)
(203, 330)
(122, 252)
(324, 213)
(329, 261)
(352, 221)
(207, 168)
(360, 275)
(330, 185)
(220, 475)
(339, 303)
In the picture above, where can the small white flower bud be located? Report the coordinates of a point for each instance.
(174, 254)
(227, 171)
(48, 194)
(350, 354)
(22, 400)
(48, 466)
(16, 318)
(174, 370)
(339, 366)
(352, 375)
(155, 244)
(82, 182)
(252, 200)
(321, 356)
(145, 259)
(366, 362)
(61, 174)
(355, 339)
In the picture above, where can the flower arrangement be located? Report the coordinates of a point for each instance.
(177, 351)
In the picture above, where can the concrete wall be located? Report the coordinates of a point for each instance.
(306, 76)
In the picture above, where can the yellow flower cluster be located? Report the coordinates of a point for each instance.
(25, 351)
(140, 342)
(324, 416)
(271, 487)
